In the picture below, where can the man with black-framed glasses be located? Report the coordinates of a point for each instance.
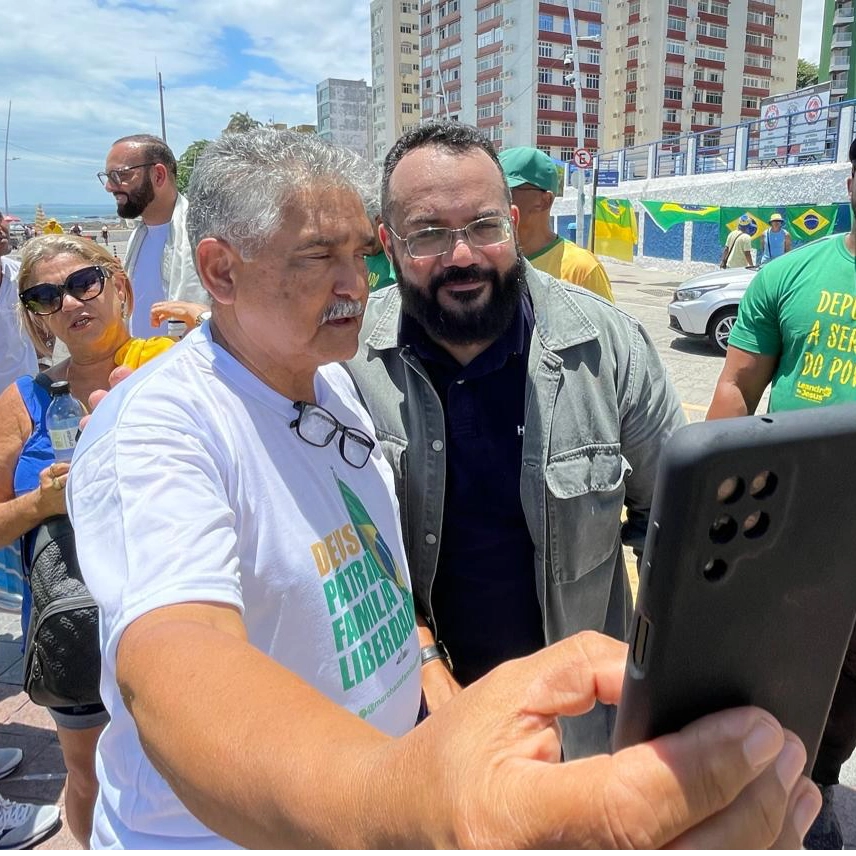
(521, 416)
(140, 173)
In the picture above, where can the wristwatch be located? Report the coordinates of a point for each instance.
(203, 316)
(437, 651)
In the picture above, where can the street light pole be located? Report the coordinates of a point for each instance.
(6, 163)
(573, 76)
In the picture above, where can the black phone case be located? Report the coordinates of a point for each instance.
(747, 589)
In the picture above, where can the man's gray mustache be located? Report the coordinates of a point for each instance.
(342, 309)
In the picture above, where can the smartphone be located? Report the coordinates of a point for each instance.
(747, 589)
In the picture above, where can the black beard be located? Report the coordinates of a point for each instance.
(138, 201)
(470, 325)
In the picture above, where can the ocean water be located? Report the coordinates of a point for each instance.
(104, 211)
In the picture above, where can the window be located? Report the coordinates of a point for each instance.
(751, 82)
(750, 102)
(489, 12)
(545, 23)
(631, 75)
(545, 49)
(426, 20)
(592, 80)
(675, 47)
(591, 105)
(544, 102)
(672, 93)
(630, 96)
(715, 54)
(566, 154)
(633, 7)
(406, 108)
(545, 75)
(425, 43)
(590, 131)
(406, 48)
(629, 140)
(674, 69)
(544, 128)
(568, 129)
(453, 96)
(677, 24)
(671, 115)
(591, 56)
(567, 103)
(632, 53)
(407, 88)
(713, 98)
(405, 28)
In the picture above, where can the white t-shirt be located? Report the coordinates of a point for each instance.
(17, 356)
(148, 282)
(189, 485)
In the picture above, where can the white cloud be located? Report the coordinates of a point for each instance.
(811, 27)
(85, 75)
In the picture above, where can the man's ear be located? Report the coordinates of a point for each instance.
(515, 216)
(547, 198)
(385, 239)
(218, 264)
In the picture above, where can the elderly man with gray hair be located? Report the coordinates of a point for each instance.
(237, 525)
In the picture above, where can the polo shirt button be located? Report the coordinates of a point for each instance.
(430, 538)
(437, 445)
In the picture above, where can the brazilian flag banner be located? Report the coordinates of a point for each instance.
(668, 214)
(760, 217)
(806, 223)
(615, 231)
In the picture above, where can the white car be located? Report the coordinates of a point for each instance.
(706, 305)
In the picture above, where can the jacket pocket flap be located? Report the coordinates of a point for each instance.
(593, 468)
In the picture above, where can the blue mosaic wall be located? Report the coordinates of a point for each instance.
(705, 243)
(663, 245)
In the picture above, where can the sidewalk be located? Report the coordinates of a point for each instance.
(41, 777)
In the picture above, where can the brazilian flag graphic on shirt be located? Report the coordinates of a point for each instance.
(370, 538)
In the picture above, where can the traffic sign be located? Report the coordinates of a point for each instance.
(582, 158)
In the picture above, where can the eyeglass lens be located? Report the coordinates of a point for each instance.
(46, 298)
(318, 427)
(480, 233)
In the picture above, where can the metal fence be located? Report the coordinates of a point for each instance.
(795, 139)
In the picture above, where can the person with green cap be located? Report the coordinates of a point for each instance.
(534, 181)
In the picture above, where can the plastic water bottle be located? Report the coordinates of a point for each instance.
(63, 420)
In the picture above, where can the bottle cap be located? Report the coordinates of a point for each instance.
(59, 387)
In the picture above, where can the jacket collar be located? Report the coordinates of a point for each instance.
(560, 319)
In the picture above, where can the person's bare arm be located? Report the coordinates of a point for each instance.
(20, 514)
(787, 242)
(741, 383)
(438, 682)
(179, 310)
(480, 772)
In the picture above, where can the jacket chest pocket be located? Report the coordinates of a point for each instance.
(584, 496)
(395, 453)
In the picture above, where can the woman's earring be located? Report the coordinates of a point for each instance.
(124, 313)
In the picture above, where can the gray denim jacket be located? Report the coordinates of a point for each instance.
(598, 409)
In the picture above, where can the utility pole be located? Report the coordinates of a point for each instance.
(572, 77)
(160, 98)
(6, 163)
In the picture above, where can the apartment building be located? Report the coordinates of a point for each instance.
(395, 71)
(344, 108)
(837, 49)
(683, 66)
(507, 67)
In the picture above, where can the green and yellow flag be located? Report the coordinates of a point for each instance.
(808, 223)
(615, 232)
(760, 217)
(370, 537)
(668, 214)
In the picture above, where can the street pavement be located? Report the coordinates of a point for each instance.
(693, 366)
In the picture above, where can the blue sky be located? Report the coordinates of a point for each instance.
(82, 74)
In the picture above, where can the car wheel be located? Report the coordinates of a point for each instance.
(720, 326)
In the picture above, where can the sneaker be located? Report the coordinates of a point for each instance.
(9, 760)
(825, 832)
(22, 825)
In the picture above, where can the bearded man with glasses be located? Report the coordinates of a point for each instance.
(140, 173)
(521, 416)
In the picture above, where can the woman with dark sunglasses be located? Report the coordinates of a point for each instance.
(71, 290)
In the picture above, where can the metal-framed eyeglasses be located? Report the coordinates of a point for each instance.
(438, 240)
(122, 175)
(318, 427)
(46, 297)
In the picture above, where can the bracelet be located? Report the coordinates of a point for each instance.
(437, 651)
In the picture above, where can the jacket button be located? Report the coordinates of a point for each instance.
(437, 445)
(430, 538)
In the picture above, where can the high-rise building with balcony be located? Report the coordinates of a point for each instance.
(505, 67)
(837, 63)
(395, 71)
(683, 66)
(343, 108)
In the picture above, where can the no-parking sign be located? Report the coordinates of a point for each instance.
(582, 158)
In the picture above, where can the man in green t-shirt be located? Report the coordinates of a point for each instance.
(796, 328)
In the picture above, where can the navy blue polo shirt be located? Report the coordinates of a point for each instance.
(484, 597)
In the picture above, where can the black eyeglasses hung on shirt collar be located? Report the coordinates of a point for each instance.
(318, 427)
(46, 298)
